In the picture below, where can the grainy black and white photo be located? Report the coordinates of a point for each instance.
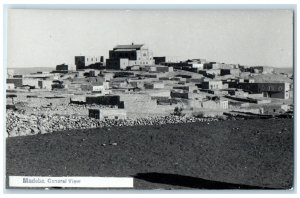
(160, 99)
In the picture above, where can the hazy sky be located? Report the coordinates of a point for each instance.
(45, 38)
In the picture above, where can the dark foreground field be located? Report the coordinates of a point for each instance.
(242, 154)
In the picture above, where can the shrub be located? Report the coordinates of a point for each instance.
(178, 111)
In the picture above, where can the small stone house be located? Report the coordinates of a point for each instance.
(110, 114)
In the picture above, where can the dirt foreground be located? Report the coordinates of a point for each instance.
(242, 154)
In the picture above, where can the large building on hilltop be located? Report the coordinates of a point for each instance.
(88, 62)
(123, 56)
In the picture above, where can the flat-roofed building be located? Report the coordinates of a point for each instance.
(269, 90)
(165, 59)
(88, 62)
(62, 67)
(111, 114)
(33, 82)
(211, 104)
(234, 72)
(45, 84)
(123, 56)
(160, 68)
(154, 85)
(18, 82)
(98, 87)
(181, 94)
(213, 84)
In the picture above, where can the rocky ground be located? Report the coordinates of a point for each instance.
(20, 123)
(229, 154)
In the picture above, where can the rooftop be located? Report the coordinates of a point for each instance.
(128, 46)
(122, 50)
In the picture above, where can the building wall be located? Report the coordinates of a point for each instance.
(212, 85)
(207, 66)
(94, 88)
(10, 86)
(103, 114)
(113, 64)
(216, 72)
(160, 93)
(118, 84)
(187, 88)
(18, 82)
(216, 66)
(282, 95)
(223, 104)
(131, 57)
(62, 67)
(130, 63)
(234, 72)
(105, 85)
(158, 85)
(31, 82)
(140, 62)
(274, 108)
(250, 80)
(137, 83)
(80, 62)
(185, 95)
(237, 105)
(78, 99)
(159, 60)
(241, 94)
(124, 63)
(98, 88)
(45, 84)
(140, 105)
(154, 85)
(113, 114)
(144, 54)
(103, 100)
(160, 68)
(272, 90)
(225, 72)
(93, 59)
(197, 65)
(80, 74)
(197, 80)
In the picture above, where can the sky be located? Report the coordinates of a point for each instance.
(46, 38)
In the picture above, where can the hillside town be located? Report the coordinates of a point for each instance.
(133, 87)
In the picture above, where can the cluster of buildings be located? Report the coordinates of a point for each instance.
(194, 84)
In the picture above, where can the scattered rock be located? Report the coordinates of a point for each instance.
(19, 123)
